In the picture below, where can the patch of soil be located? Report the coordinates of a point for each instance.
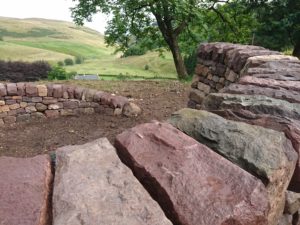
(158, 99)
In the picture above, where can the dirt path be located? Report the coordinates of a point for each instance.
(158, 99)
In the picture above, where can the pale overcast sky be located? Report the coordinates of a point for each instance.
(48, 9)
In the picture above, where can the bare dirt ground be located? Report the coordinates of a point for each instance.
(158, 99)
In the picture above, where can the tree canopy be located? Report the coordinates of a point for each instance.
(157, 23)
(278, 23)
(180, 25)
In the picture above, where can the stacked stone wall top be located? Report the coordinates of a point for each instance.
(221, 64)
(26, 101)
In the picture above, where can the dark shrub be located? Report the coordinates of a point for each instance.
(69, 62)
(190, 62)
(79, 60)
(134, 50)
(23, 71)
(60, 63)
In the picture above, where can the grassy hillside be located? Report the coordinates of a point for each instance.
(53, 41)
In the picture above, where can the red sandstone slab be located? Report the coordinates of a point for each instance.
(278, 92)
(193, 184)
(24, 190)
(289, 85)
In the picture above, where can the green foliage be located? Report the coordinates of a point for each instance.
(59, 73)
(279, 24)
(1, 38)
(147, 67)
(162, 22)
(69, 62)
(60, 63)
(79, 60)
(134, 50)
(190, 62)
(35, 32)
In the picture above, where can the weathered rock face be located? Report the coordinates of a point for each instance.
(257, 104)
(92, 186)
(278, 93)
(265, 153)
(193, 184)
(286, 219)
(24, 190)
(217, 103)
(292, 203)
(131, 110)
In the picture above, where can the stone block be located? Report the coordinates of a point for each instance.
(41, 107)
(70, 104)
(36, 99)
(30, 109)
(92, 182)
(3, 91)
(57, 91)
(25, 190)
(42, 90)
(193, 184)
(203, 87)
(52, 113)
(31, 89)
(21, 89)
(14, 106)
(265, 153)
(55, 106)
(11, 89)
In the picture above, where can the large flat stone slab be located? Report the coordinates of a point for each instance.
(266, 153)
(278, 92)
(24, 190)
(93, 187)
(193, 184)
(271, 83)
(257, 104)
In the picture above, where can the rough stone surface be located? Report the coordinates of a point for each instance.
(286, 219)
(278, 93)
(42, 90)
(290, 127)
(265, 153)
(31, 90)
(258, 104)
(3, 91)
(92, 186)
(292, 202)
(271, 83)
(131, 110)
(24, 190)
(194, 185)
(12, 89)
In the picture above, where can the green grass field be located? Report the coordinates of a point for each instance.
(53, 41)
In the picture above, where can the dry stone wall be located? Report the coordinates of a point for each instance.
(26, 101)
(255, 86)
(234, 162)
(222, 64)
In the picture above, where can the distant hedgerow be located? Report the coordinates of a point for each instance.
(17, 71)
(79, 60)
(69, 62)
(60, 63)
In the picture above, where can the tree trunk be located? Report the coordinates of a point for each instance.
(296, 51)
(178, 60)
